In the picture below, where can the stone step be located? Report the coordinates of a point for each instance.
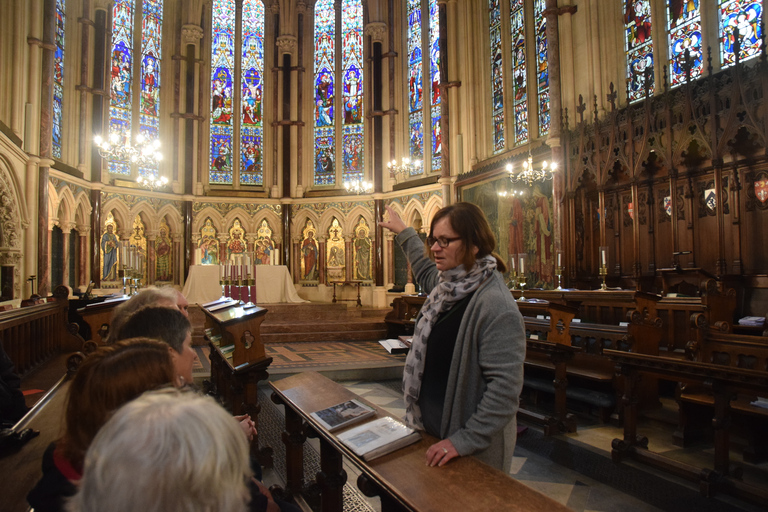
(357, 335)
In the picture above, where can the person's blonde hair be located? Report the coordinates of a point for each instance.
(167, 450)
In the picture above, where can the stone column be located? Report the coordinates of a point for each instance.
(82, 266)
(151, 268)
(321, 258)
(349, 271)
(66, 278)
(85, 41)
(31, 228)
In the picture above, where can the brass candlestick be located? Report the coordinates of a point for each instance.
(559, 275)
(603, 273)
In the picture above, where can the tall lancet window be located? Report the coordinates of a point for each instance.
(497, 76)
(542, 66)
(347, 35)
(519, 71)
(236, 141)
(744, 15)
(135, 25)
(638, 47)
(252, 129)
(684, 29)
(422, 40)
(58, 79)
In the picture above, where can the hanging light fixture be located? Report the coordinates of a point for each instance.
(144, 152)
(529, 175)
(404, 170)
(358, 186)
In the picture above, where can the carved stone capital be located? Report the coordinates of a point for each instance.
(275, 7)
(286, 44)
(301, 7)
(377, 30)
(191, 34)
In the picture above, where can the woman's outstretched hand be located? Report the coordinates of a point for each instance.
(395, 223)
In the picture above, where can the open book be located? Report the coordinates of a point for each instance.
(341, 415)
(379, 437)
(394, 346)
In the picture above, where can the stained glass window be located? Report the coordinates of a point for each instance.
(58, 78)
(497, 75)
(352, 83)
(684, 28)
(348, 73)
(638, 47)
(542, 66)
(519, 71)
(149, 117)
(222, 73)
(252, 128)
(147, 15)
(744, 15)
(325, 79)
(434, 66)
(237, 138)
(415, 82)
(120, 104)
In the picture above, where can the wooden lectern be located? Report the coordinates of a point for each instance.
(238, 361)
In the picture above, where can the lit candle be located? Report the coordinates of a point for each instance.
(522, 264)
(559, 259)
(602, 256)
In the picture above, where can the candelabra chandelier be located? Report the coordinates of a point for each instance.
(404, 170)
(529, 175)
(118, 147)
(152, 182)
(358, 186)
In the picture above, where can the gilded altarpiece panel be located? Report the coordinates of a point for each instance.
(139, 240)
(163, 254)
(309, 254)
(335, 253)
(209, 244)
(362, 251)
(109, 250)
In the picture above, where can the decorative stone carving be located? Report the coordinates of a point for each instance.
(377, 30)
(191, 34)
(286, 44)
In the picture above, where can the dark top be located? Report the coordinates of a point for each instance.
(440, 345)
(53, 488)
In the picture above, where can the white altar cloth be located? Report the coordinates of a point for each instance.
(273, 285)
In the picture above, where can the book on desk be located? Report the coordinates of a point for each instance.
(379, 437)
(395, 346)
(343, 414)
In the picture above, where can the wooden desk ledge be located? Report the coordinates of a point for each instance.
(402, 478)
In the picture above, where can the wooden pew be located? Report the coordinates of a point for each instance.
(724, 381)
(591, 376)
(401, 479)
(33, 335)
(612, 306)
(714, 345)
(238, 362)
(98, 316)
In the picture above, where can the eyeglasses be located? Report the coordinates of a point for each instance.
(442, 241)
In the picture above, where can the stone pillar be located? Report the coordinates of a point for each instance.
(84, 135)
(189, 68)
(31, 229)
(321, 258)
(349, 271)
(66, 278)
(82, 266)
(151, 267)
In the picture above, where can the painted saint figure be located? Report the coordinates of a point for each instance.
(109, 244)
(309, 253)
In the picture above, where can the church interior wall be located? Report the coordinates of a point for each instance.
(591, 60)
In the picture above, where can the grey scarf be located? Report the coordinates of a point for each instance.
(453, 285)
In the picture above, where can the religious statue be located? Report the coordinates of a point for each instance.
(163, 255)
(309, 254)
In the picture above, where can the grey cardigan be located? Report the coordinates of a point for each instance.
(486, 375)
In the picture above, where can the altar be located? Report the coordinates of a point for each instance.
(273, 284)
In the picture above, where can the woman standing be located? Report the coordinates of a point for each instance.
(464, 371)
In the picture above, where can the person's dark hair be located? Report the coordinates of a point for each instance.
(471, 225)
(168, 325)
(108, 378)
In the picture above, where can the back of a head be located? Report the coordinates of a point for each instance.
(168, 325)
(107, 379)
(167, 451)
(165, 297)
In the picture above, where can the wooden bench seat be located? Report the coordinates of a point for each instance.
(715, 345)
